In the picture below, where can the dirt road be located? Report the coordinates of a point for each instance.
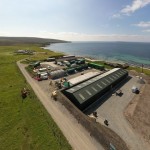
(76, 135)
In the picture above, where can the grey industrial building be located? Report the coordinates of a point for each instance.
(87, 92)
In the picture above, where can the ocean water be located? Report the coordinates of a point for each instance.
(130, 52)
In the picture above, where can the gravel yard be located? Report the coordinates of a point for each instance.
(112, 109)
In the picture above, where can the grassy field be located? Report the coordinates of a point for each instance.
(138, 69)
(24, 124)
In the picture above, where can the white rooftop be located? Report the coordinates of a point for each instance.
(82, 77)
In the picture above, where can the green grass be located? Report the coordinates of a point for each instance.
(139, 69)
(24, 124)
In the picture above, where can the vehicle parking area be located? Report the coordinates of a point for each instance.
(71, 75)
(45, 83)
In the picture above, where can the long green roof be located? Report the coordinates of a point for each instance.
(82, 92)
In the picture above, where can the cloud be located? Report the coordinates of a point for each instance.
(134, 6)
(143, 24)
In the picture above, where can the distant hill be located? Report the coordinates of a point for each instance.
(27, 40)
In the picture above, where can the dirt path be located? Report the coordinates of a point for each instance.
(76, 135)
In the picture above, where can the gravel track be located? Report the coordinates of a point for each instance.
(77, 136)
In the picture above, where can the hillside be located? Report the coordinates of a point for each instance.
(27, 40)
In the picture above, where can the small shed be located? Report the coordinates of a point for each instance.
(71, 70)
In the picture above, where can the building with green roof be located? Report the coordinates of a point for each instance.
(86, 93)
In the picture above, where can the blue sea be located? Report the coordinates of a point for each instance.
(128, 52)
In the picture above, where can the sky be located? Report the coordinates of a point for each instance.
(77, 20)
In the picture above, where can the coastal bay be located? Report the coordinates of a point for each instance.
(133, 53)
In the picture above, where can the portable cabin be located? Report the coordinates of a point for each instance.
(81, 61)
(43, 70)
(71, 70)
(79, 68)
(96, 66)
(73, 65)
(67, 63)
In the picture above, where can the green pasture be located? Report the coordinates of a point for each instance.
(24, 124)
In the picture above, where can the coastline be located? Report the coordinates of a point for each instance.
(132, 66)
(89, 58)
(130, 53)
(117, 62)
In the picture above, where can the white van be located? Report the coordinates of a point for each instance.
(44, 76)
